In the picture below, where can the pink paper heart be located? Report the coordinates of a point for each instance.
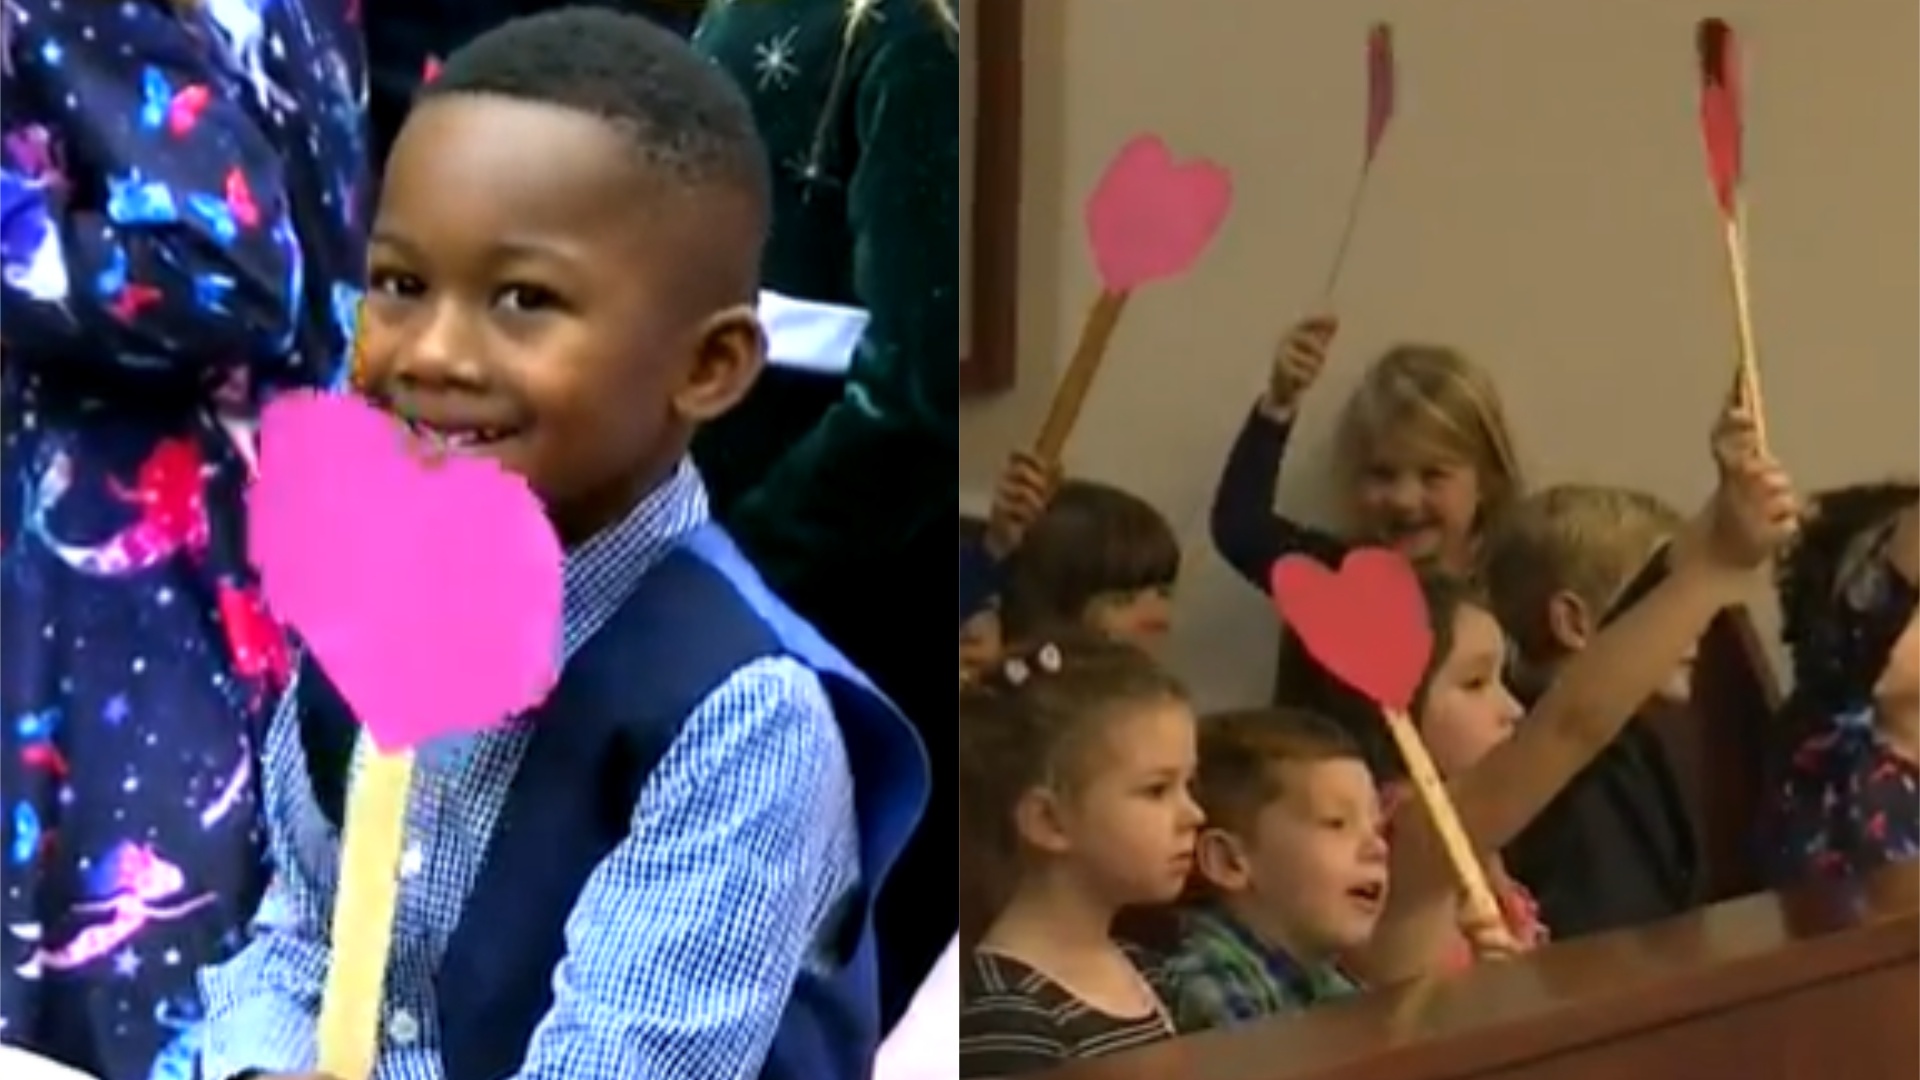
(1365, 622)
(428, 591)
(1151, 217)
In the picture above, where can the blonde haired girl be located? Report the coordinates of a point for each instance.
(1422, 453)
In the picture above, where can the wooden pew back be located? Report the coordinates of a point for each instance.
(1724, 750)
(1820, 982)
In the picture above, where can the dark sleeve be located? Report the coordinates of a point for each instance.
(1247, 532)
(979, 579)
(861, 477)
(162, 242)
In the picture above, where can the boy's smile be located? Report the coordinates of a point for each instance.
(537, 294)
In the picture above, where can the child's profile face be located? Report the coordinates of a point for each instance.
(1468, 709)
(1418, 501)
(1899, 683)
(1128, 828)
(523, 302)
(1316, 863)
(1140, 617)
(979, 643)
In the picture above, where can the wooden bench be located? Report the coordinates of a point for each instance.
(1814, 984)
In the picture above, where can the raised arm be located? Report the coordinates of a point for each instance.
(263, 1003)
(683, 948)
(1249, 535)
(1714, 564)
(147, 223)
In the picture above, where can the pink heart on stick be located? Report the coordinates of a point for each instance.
(429, 591)
(1365, 622)
(1151, 217)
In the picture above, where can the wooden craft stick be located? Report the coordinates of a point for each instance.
(1481, 905)
(1355, 202)
(1068, 397)
(363, 914)
(1733, 233)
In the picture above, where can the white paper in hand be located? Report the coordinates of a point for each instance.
(806, 335)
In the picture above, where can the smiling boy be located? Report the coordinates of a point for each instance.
(668, 871)
(1292, 869)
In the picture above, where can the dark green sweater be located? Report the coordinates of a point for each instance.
(815, 477)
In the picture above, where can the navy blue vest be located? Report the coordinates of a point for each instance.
(695, 618)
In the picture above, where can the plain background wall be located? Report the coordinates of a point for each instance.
(1541, 203)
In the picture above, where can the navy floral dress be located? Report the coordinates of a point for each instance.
(1848, 802)
(180, 218)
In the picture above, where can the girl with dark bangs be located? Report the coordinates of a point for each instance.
(1849, 593)
(1100, 558)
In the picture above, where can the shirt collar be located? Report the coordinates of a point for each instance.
(601, 573)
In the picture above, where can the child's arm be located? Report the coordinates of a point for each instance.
(1714, 566)
(979, 579)
(683, 947)
(165, 245)
(1246, 531)
(1025, 488)
(263, 1003)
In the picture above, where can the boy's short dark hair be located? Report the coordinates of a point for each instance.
(687, 120)
(1241, 754)
(1094, 538)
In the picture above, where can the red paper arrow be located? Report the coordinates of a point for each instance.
(1721, 110)
(1382, 86)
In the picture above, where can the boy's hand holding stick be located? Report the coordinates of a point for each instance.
(389, 615)
(1367, 624)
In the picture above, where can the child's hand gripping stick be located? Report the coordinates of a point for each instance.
(1367, 624)
(1149, 219)
(427, 632)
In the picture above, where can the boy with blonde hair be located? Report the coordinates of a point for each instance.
(1619, 846)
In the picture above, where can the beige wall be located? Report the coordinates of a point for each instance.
(1541, 203)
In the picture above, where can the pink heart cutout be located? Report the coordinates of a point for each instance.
(1150, 217)
(428, 591)
(1366, 622)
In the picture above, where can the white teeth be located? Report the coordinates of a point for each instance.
(458, 440)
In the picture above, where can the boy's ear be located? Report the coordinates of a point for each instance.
(728, 355)
(1041, 821)
(1221, 861)
(1570, 622)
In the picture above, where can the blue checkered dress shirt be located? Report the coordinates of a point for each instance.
(683, 946)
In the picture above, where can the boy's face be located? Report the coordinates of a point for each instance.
(1313, 874)
(538, 295)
